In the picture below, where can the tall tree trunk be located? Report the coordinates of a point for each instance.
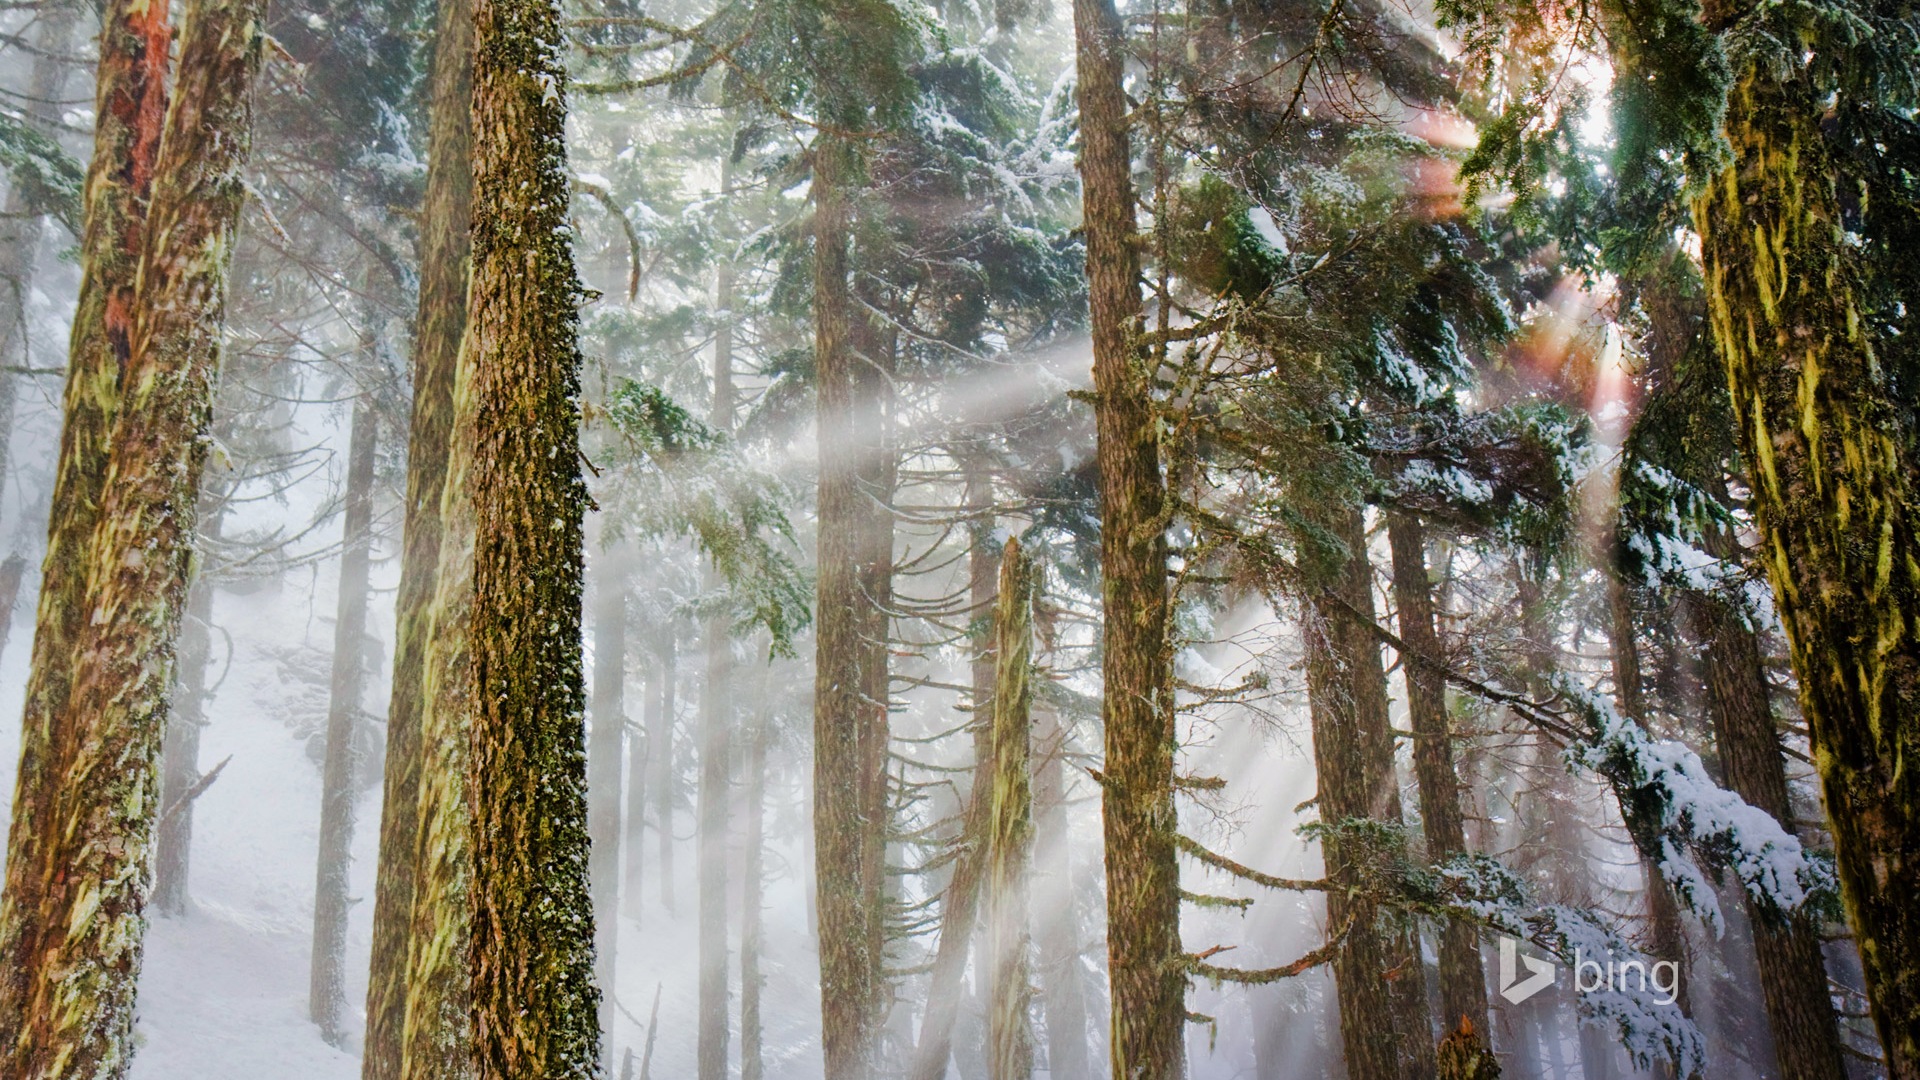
(639, 757)
(1063, 997)
(660, 746)
(715, 729)
(186, 715)
(603, 768)
(960, 900)
(130, 107)
(535, 1006)
(1793, 974)
(12, 571)
(327, 991)
(1145, 967)
(1463, 979)
(438, 327)
(1834, 495)
(1010, 833)
(850, 720)
(1385, 1029)
(23, 224)
(82, 932)
(753, 889)
(1666, 937)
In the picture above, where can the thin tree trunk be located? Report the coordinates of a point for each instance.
(715, 731)
(22, 224)
(1834, 495)
(130, 107)
(753, 890)
(11, 572)
(1463, 979)
(327, 991)
(186, 715)
(1385, 1028)
(535, 1006)
(660, 746)
(82, 932)
(960, 900)
(1010, 832)
(639, 757)
(1062, 996)
(603, 768)
(1145, 968)
(1793, 974)
(438, 327)
(850, 719)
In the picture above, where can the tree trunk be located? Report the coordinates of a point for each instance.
(438, 327)
(1144, 953)
(603, 768)
(23, 224)
(1463, 979)
(130, 106)
(11, 572)
(327, 991)
(715, 732)
(1062, 996)
(1834, 496)
(82, 927)
(660, 746)
(639, 757)
(535, 1006)
(186, 715)
(753, 890)
(1376, 966)
(850, 720)
(1010, 832)
(1793, 974)
(960, 900)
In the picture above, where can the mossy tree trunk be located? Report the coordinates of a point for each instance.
(1144, 953)
(1010, 829)
(130, 108)
(82, 927)
(1834, 495)
(850, 640)
(439, 325)
(327, 991)
(535, 1006)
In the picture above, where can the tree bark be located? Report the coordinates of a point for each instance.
(439, 326)
(82, 930)
(850, 640)
(327, 991)
(535, 1006)
(1793, 974)
(1385, 1029)
(1137, 702)
(603, 768)
(130, 108)
(1834, 495)
(1010, 831)
(1463, 978)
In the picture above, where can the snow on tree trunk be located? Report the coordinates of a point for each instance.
(1834, 495)
(438, 328)
(80, 931)
(534, 1003)
(326, 991)
(130, 107)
